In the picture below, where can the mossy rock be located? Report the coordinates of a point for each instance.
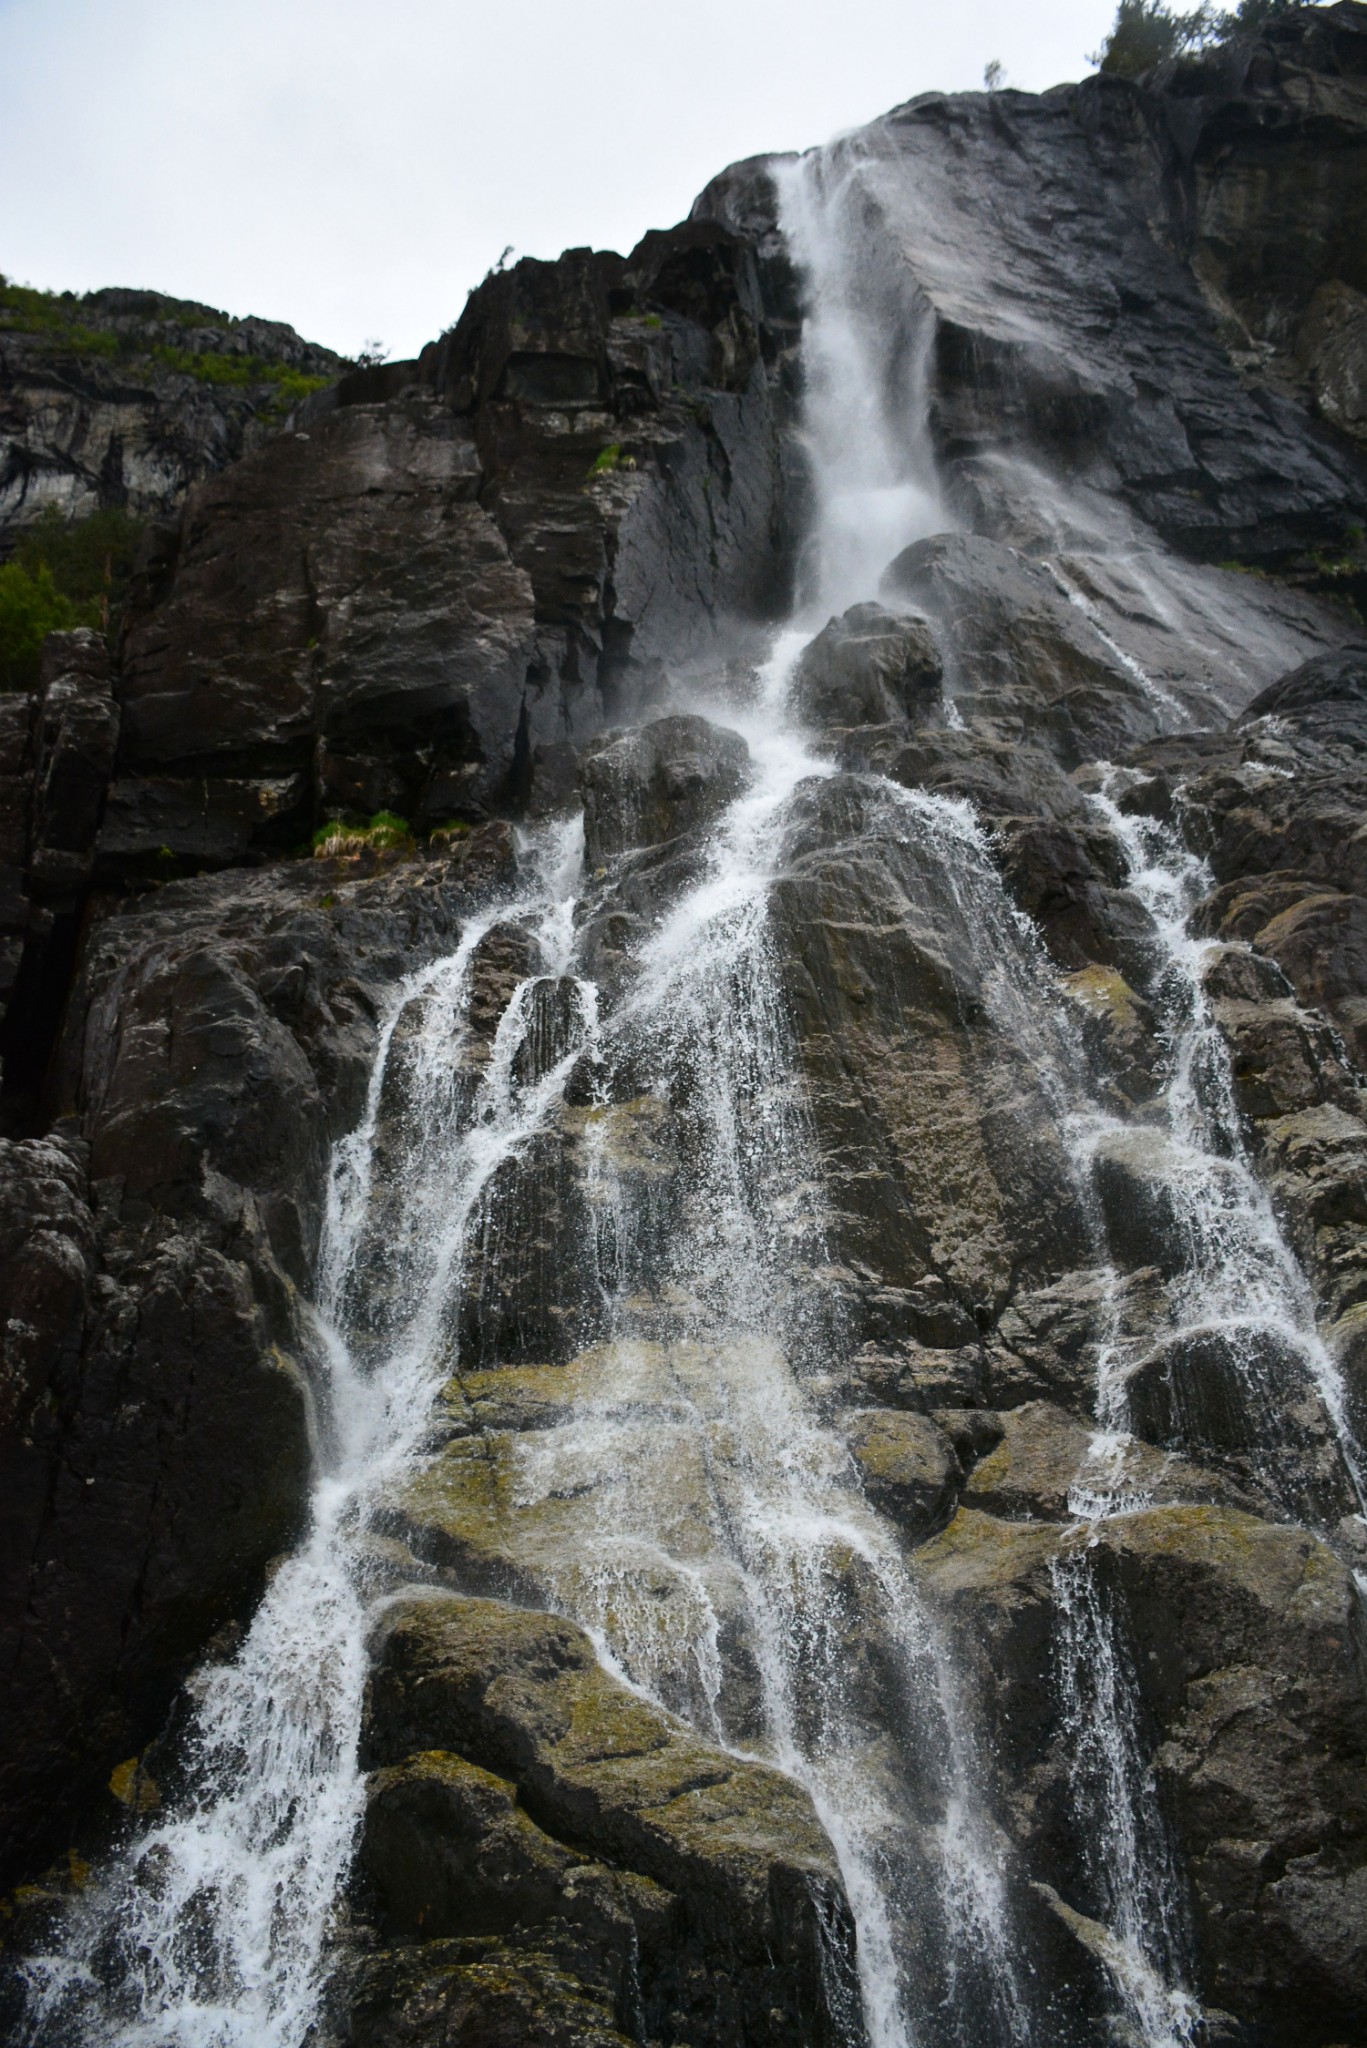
(523, 1789)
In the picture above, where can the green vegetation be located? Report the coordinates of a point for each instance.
(609, 459)
(337, 838)
(238, 372)
(31, 607)
(26, 311)
(1333, 567)
(448, 835)
(58, 316)
(1145, 32)
(64, 574)
(91, 559)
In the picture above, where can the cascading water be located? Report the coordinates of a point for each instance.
(715, 1540)
(1236, 1289)
(865, 347)
(210, 1931)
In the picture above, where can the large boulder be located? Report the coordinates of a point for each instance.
(1244, 1700)
(522, 1793)
(866, 667)
(670, 777)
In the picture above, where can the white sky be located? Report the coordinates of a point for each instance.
(355, 166)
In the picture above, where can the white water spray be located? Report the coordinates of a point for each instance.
(211, 1930)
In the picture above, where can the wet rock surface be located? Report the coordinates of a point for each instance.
(1247, 1645)
(158, 1349)
(531, 1819)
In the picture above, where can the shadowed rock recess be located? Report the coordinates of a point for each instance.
(683, 1141)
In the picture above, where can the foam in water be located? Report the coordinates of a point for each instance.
(1236, 1282)
(865, 350)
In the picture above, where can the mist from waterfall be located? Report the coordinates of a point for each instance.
(866, 337)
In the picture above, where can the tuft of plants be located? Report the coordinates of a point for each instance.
(210, 366)
(1334, 567)
(336, 839)
(442, 837)
(24, 310)
(609, 459)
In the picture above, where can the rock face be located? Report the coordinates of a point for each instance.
(156, 1353)
(1051, 962)
(125, 398)
(1250, 1638)
(532, 1824)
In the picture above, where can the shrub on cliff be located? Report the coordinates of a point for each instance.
(1145, 32)
(90, 560)
(31, 607)
(64, 573)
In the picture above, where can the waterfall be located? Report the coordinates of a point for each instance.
(866, 340)
(1236, 1287)
(712, 1532)
(211, 1929)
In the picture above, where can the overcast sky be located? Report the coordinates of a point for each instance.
(355, 166)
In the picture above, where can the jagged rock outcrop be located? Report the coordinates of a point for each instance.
(123, 399)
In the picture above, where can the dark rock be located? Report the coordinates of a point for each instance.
(745, 1929)
(1316, 1164)
(904, 1064)
(1334, 683)
(866, 667)
(1248, 1391)
(1246, 1639)
(1137, 353)
(1021, 661)
(1044, 1460)
(337, 595)
(75, 736)
(155, 1438)
(1135, 1181)
(907, 1465)
(1281, 1059)
(644, 788)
